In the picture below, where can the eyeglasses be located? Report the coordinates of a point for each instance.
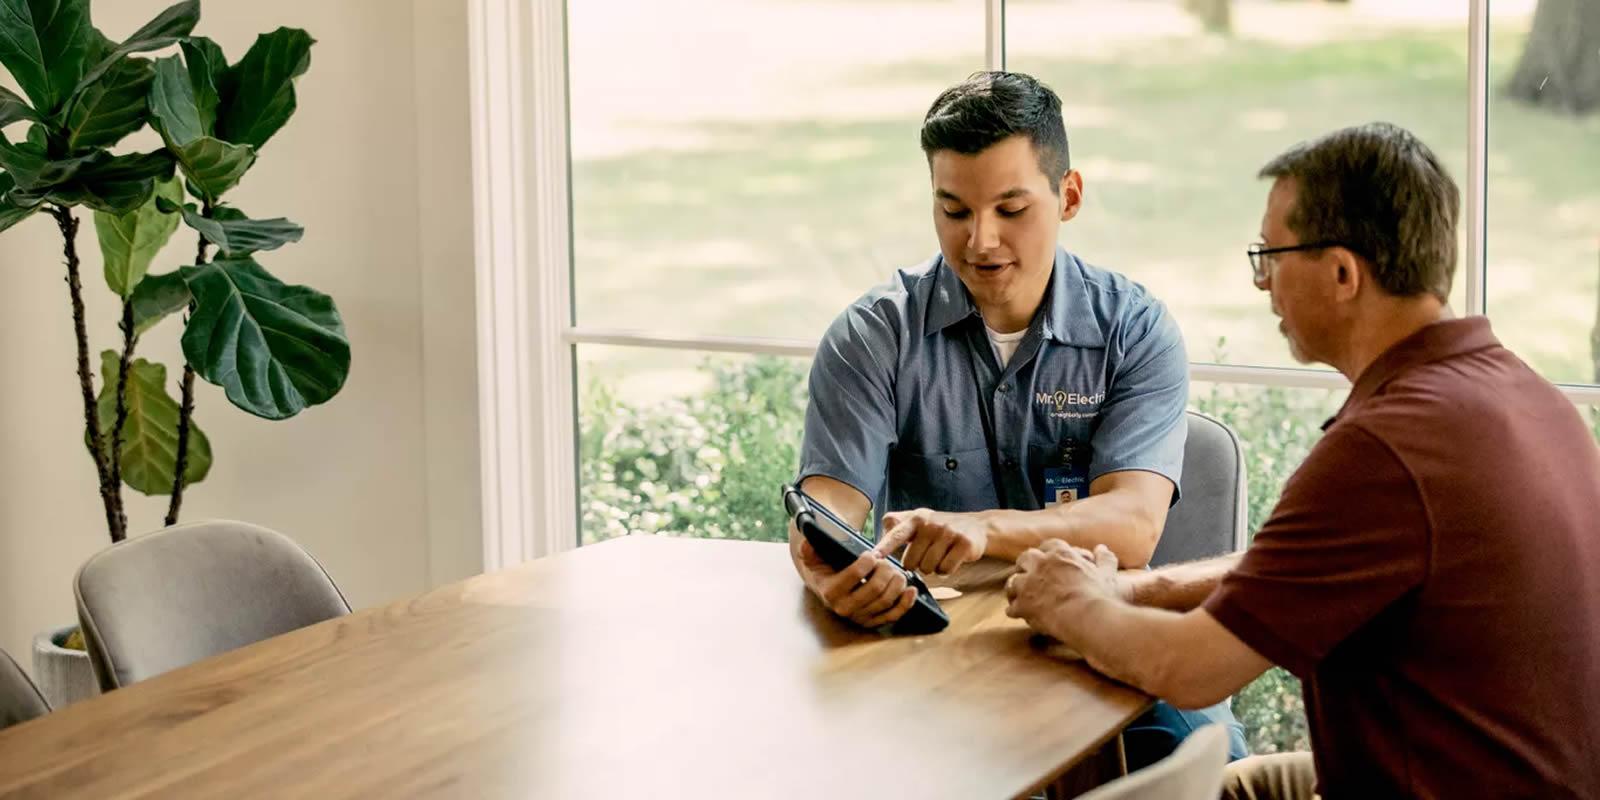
(1259, 252)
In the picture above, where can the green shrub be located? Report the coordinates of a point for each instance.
(711, 464)
(1276, 428)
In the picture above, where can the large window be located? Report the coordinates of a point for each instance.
(1170, 121)
(742, 169)
(748, 167)
(1544, 186)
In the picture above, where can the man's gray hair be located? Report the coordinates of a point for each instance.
(1379, 191)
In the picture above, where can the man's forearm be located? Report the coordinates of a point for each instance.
(1180, 587)
(1118, 522)
(1120, 640)
(1186, 659)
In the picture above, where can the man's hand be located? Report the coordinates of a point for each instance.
(870, 592)
(939, 541)
(1054, 576)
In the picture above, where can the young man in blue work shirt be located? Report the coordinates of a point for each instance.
(1002, 394)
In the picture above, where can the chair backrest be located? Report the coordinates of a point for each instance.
(1211, 514)
(166, 599)
(1193, 772)
(20, 700)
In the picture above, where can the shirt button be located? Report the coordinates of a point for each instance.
(950, 464)
(1005, 387)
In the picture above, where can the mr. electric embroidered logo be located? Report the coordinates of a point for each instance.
(1069, 405)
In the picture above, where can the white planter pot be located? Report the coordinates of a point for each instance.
(64, 676)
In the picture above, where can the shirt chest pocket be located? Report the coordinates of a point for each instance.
(953, 481)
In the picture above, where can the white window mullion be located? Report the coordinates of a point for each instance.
(523, 267)
(994, 38)
(1292, 377)
(1477, 186)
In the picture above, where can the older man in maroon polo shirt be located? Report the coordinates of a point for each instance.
(1431, 572)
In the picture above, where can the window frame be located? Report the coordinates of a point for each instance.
(527, 331)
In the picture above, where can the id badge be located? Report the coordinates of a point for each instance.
(1067, 479)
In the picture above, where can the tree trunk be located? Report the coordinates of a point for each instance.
(1560, 66)
(1215, 15)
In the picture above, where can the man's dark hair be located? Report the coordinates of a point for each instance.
(1379, 191)
(990, 106)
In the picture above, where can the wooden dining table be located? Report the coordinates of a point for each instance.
(645, 666)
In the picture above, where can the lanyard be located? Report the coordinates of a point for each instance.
(984, 416)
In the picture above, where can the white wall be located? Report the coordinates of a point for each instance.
(381, 483)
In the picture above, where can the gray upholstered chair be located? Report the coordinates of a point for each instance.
(1193, 772)
(1211, 516)
(160, 601)
(20, 700)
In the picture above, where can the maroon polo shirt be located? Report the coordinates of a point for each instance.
(1432, 574)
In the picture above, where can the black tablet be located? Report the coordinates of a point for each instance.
(839, 545)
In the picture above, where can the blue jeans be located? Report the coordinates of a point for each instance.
(1153, 736)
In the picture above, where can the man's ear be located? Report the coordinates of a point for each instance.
(1349, 275)
(1071, 194)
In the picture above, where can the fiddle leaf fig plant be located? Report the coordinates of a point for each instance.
(275, 348)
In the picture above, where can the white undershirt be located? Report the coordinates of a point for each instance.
(1005, 344)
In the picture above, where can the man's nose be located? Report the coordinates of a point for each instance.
(984, 236)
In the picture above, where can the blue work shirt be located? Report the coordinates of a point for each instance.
(1098, 384)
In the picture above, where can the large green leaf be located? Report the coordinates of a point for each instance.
(129, 242)
(14, 108)
(208, 70)
(235, 234)
(258, 95)
(150, 432)
(110, 108)
(45, 45)
(215, 166)
(168, 28)
(33, 170)
(172, 102)
(11, 214)
(156, 297)
(39, 137)
(274, 348)
(115, 185)
(212, 165)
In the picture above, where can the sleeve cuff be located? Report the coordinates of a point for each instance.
(841, 475)
(1250, 630)
(1165, 472)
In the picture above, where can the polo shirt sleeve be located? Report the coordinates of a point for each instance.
(1348, 538)
(1141, 425)
(850, 417)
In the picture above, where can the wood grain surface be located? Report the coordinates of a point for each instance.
(641, 667)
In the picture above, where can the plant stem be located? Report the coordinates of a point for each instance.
(185, 407)
(185, 412)
(129, 341)
(110, 494)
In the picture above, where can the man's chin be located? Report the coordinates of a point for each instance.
(1299, 355)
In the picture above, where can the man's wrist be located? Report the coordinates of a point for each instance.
(1076, 606)
(993, 537)
(1140, 587)
(1001, 540)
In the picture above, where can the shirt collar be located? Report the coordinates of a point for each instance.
(1434, 342)
(1066, 314)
